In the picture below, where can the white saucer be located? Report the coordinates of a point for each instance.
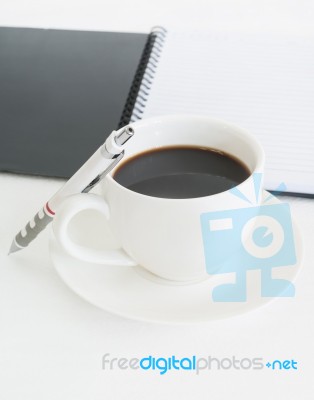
(132, 292)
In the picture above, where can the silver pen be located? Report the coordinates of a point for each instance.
(105, 158)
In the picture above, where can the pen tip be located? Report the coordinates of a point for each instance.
(14, 248)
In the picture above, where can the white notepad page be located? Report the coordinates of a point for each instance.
(262, 83)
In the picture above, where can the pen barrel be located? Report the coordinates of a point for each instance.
(78, 182)
(33, 228)
(94, 169)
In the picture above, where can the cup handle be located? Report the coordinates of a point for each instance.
(67, 210)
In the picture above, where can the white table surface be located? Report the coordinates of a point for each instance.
(52, 342)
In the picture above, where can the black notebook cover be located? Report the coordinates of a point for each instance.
(61, 94)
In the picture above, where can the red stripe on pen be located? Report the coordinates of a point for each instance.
(49, 209)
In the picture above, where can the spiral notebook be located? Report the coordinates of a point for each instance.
(262, 83)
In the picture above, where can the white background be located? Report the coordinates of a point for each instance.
(52, 342)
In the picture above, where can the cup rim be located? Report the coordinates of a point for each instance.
(174, 117)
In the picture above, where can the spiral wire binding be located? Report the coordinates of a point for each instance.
(144, 76)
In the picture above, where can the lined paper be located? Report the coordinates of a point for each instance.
(264, 84)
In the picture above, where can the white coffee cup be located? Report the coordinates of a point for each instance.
(163, 236)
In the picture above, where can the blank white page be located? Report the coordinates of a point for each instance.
(264, 84)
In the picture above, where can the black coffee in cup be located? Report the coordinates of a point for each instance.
(181, 172)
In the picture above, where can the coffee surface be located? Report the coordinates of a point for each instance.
(181, 172)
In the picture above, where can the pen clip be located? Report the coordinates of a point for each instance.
(99, 177)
